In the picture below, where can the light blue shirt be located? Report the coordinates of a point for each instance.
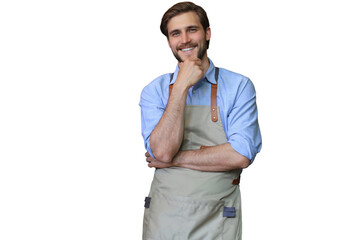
(236, 99)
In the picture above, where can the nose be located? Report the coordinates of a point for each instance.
(185, 38)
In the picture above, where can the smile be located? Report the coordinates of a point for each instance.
(187, 49)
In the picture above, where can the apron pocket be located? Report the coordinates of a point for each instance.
(173, 218)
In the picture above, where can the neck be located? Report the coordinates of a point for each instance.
(205, 63)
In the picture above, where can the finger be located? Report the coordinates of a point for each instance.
(195, 59)
(147, 154)
(198, 62)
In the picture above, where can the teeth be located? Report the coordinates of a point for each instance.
(187, 49)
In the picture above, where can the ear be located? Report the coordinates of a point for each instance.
(208, 34)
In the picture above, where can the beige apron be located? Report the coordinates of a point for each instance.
(195, 205)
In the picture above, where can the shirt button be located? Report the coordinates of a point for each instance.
(194, 91)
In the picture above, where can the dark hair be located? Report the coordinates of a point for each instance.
(184, 7)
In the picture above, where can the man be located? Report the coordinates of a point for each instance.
(200, 130)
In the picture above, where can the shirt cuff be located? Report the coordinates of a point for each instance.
(147, 146)
(243, 148)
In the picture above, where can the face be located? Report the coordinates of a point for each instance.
(187, 38)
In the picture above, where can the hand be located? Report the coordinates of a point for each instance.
(152, 162)
(190, 71)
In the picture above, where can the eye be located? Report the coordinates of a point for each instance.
(193, 30)
(175, 34)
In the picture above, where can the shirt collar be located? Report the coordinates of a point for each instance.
(209, 76)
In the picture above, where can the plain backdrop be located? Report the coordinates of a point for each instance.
(72, 162)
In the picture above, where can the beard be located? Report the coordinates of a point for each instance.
(201, 51)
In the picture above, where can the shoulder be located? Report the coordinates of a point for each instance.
(159, 82)
(228, 76)
(157, 88)
(234, 80)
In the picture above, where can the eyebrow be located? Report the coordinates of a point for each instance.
(188, 27)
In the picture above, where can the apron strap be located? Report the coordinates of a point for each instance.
(236, 181)
(170, 89)
(213, 107)
(171, 86)
(216, 74)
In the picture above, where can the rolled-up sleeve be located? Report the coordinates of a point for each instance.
(152, 108)
(243, 128)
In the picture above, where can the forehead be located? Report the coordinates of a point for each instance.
(183, 20)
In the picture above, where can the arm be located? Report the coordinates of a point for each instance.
(166, 138)
(243, 128)
(214, 159)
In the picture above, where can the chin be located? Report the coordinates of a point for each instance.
(192, 56)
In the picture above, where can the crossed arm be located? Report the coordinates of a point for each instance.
(218, 158)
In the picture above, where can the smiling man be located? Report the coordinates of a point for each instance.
(200, 130)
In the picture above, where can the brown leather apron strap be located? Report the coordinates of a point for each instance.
(236, 181)
(170, 89)
(203, 147)
(213, 107)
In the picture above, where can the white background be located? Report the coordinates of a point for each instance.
(72, 156)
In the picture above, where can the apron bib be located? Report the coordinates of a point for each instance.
(189, 204)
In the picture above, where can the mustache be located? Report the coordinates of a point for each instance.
(187, 45)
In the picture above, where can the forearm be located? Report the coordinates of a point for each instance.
(218, 158)
(166, 138)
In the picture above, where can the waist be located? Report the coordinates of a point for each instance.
(191, 183)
